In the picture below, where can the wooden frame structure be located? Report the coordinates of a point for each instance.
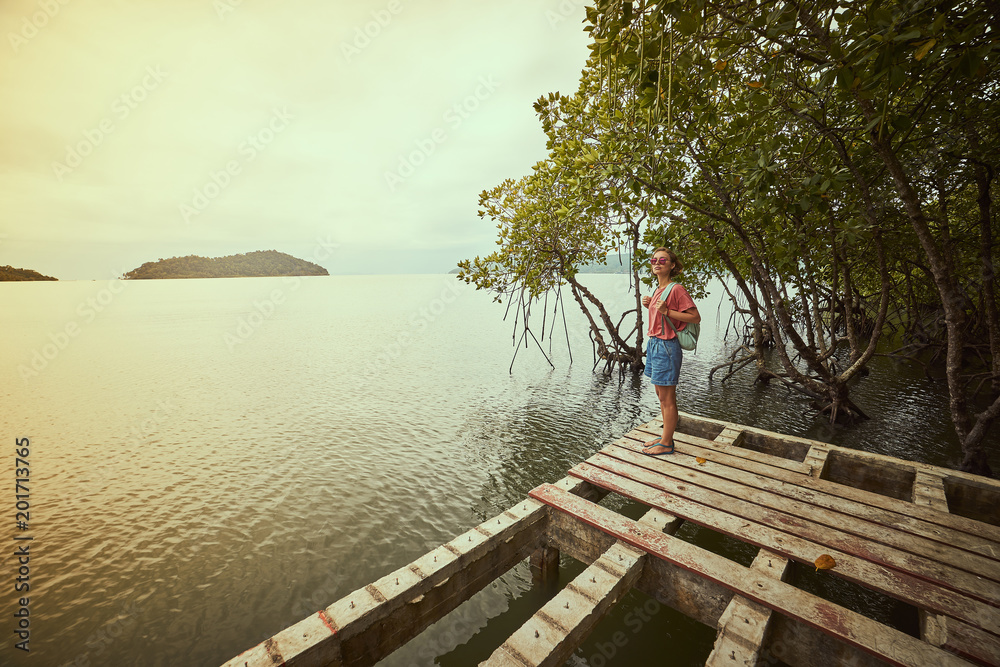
(924, 535)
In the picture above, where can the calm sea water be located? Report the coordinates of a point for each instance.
(213, 460)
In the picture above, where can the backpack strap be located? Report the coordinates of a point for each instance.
(664, 299)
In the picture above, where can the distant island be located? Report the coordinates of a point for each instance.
(611, 264)
(248, 265)
(10, 273)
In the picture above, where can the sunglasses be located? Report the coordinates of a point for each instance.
(658, 260)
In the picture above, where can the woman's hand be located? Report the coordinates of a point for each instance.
(661, 306)
(645, 301)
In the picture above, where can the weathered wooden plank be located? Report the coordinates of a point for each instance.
(745, 623)
(949, 633)
(928, 490)
(691, 595)
(971, 493)
(816, 460)
(797, 521)
(740, 525)
(698, 425)
(549, 637)
(802, 490)
(983, 533)
(960, 638)
(642, 432)
(731, 435)
(312, 642)
(848, 626)
(371, 622)
(716, 477)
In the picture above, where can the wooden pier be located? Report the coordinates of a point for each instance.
(926, 536)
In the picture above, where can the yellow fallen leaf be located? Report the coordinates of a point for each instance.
(925, 47)
(700, 461)
(825, 562)
(720, 65)
(755, 84)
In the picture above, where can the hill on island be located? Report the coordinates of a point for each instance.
(10, 273)
(247, 265)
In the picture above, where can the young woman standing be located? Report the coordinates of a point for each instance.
(663, 351)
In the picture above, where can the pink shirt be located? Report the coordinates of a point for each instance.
(679, 299)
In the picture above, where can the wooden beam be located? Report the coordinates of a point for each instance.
(372, 622)
(734, 458)
(553, 633)
(928, 490)
(691, 595)
(698, 425)
(744, 625)
(643, 432)
(544, 565)
(745, 524)
(848, 626)
(821, 493)
(709, 483)
(731, 435)
(816, 460)
(937, 629)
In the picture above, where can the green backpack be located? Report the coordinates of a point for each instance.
(688, 336)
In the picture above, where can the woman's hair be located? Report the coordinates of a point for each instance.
(677, 266)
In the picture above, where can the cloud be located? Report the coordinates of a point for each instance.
(165, 97)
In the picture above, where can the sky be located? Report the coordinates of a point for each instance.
(357, 135)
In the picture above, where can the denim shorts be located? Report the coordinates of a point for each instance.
(663, 361)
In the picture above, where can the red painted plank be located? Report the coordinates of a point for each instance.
(892, 582)
(724, 480)
(735, 457)
(896, 520)
(848, 626)
(824, 536)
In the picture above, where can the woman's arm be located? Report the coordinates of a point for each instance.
(689, 315)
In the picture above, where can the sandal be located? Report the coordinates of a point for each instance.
(669, 448)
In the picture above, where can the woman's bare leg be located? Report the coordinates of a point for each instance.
(668, 410)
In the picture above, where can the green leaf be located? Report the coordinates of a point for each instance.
(907, 36)
(845, 77)
(687, 23)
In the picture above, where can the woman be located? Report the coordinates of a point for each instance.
(663, 352)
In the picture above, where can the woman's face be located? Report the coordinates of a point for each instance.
(662, 269)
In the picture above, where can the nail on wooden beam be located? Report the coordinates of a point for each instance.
(744, 624)
(816, 460)
(549, 637)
